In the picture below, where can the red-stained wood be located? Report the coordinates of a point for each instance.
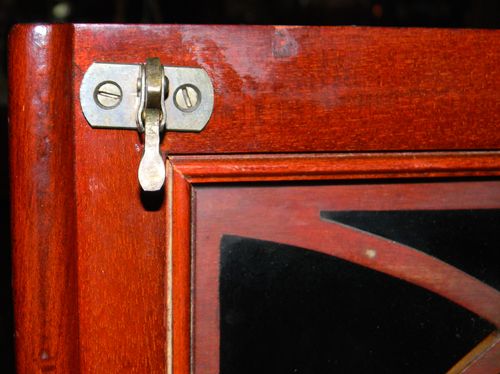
(121, 260)
(101, 274)
(89, 251)
(122, 241)
(195, 172)
(487, 361)
(291, 215)
(484, 358)
(322, 89)
(252, 168)
(179, 272)
(44, 240)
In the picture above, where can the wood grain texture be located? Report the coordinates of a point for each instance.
(206, 171)
(179, 279)
(280, 167)
(121, 256)
(322, 89)
(291, 216)
(91, 270)
(43, 199)
(89, 248)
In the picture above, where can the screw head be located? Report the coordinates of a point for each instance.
(108, 95)
(187, 98)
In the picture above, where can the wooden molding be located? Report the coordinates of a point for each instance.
(95, 289)
(42, 153)
(272, 168)
(88, 248)
(484, 358)
(189, 171)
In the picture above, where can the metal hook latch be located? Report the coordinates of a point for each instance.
(150, 98)
(151, 116)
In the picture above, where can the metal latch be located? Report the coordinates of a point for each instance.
(149, 98)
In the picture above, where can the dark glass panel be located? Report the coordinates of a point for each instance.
(290, 310)
(466, 239)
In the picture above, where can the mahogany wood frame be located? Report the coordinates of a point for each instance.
(291, 216)
(92, 279)
(185, 172)
(320, 89)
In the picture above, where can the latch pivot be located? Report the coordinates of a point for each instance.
(149, 98)
(151, 119)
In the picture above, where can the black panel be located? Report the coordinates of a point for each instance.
(466, 239)
(290, 310)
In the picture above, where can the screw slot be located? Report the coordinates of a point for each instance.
(187, 98)
(108, 95)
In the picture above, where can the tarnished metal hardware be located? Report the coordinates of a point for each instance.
(108, 95)
(124, 114)
(149, 98)
(151, 119)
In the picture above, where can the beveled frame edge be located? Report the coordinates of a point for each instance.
(185, 171)
(481, 358)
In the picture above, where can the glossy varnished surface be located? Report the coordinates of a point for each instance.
(188, 171)
(318, 89)
(92, 272)
(43, 200)
(89, 249)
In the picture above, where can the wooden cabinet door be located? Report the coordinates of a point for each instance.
(312, 127)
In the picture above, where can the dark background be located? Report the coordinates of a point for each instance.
(419, 13)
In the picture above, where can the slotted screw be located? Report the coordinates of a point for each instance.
(187, 98)
(108, 95)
